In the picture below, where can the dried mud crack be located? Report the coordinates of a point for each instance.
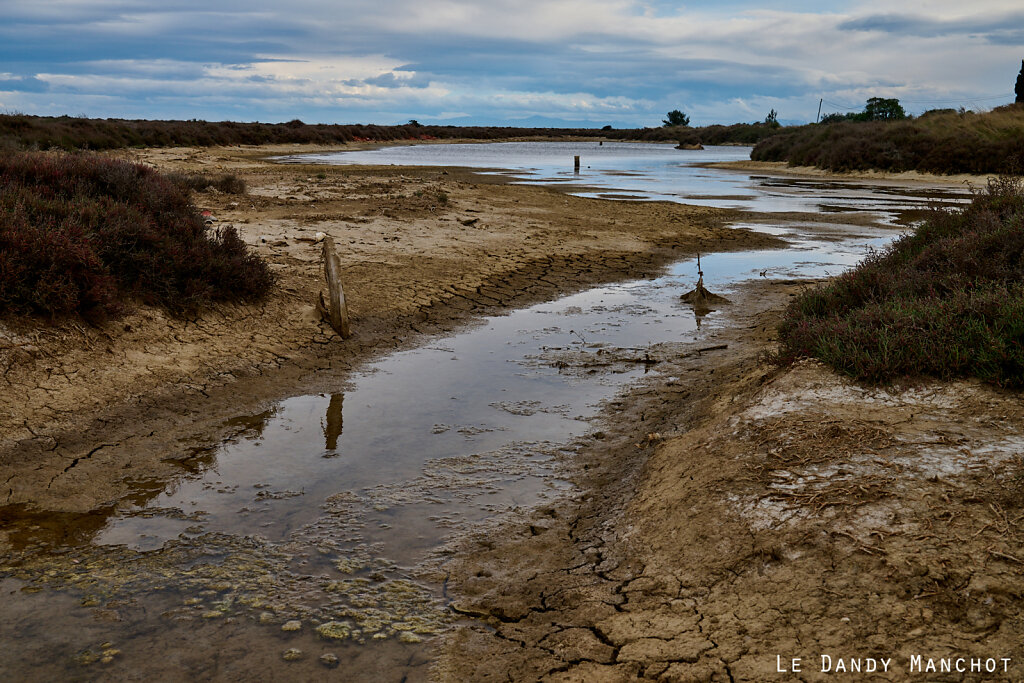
(742, 512)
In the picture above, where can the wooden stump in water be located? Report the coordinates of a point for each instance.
(336, 312)
(700, 298)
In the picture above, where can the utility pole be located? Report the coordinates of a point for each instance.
(818, 120)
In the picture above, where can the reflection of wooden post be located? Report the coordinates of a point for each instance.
(337, 311)
(335, 424)
(576, 163)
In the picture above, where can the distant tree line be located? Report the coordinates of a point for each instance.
(20, 131)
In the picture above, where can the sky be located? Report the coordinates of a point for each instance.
(623, 63)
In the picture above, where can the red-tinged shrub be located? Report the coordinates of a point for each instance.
(83, 233)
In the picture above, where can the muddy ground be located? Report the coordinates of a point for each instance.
(736, 516)
(732, 516)
(873, 176)
(87, 413)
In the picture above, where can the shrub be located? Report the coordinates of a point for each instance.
(946, 300)
(939, 142)
(228, 184)
(83, 233)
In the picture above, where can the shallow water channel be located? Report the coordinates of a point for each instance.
(319, 527)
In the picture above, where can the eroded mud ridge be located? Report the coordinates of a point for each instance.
(765, 513)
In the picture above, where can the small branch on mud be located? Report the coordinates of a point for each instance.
(712, 348)
(1004, 556)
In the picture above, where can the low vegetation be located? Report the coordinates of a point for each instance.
(942, 142)
(200, 182)
(946, 300)
(19, 131)
(84, 234)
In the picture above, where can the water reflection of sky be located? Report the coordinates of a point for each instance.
(481, 390)
(645, 171)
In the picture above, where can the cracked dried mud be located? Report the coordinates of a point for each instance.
(724, 512)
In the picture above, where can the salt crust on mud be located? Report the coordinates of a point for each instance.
(808, 391)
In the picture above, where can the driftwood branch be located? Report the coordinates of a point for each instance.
(336, 311)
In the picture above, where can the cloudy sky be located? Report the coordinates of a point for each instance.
(516, 62)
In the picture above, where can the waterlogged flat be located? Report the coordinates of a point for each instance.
(318, 530)
(646, 171)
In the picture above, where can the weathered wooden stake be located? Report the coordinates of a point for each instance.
(337, 312)
(576, 163)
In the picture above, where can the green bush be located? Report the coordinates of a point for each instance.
(941, 143)
(946, 300)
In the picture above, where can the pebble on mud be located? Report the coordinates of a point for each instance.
(292, 654)
(329, 660)
(407, 637)
(293, 625)
(266, 617)
(336, 630)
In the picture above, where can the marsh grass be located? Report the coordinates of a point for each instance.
(946, 300)
(20, 131)
(84, 234)
(200, 182)
(942, 142)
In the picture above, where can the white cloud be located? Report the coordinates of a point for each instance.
(626, 60)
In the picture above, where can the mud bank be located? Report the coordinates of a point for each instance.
(782, 168)
(86, 413)
(735, 516)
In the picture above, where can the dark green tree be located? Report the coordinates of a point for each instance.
(883, 109)
(772, 119)
(676, 118)
(1019, 90)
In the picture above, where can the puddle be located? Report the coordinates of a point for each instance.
(327, 516)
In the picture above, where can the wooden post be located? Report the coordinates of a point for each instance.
(576, 163)
(337, 312)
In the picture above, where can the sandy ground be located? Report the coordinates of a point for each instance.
(731, 516)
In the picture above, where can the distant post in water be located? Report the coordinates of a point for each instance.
(576, 163)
